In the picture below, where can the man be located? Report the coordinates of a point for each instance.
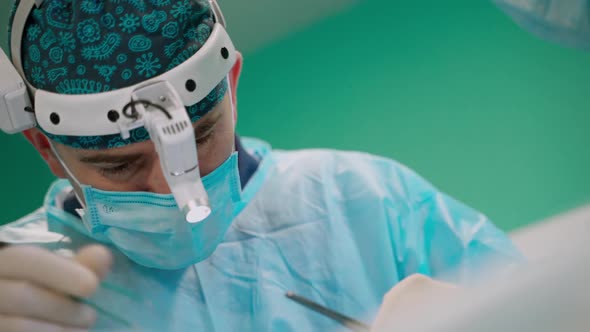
(339, 228)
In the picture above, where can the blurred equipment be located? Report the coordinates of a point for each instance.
(566, 22)
(549, 294)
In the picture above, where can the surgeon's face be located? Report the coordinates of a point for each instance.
(136, 167)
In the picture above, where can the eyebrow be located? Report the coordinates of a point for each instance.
(104, 158)
(111, 159)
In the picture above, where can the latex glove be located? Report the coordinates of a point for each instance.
(36, 288)
(411, 292)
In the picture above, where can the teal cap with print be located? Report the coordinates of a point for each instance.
(92, 46)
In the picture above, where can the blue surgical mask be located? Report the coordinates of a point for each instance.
(151, 230)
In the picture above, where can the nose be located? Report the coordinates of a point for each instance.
(156, 182)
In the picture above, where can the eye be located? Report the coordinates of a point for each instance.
(116, 170)
(204, 140)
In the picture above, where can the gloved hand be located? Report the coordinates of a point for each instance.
(409, 293)
(36, 288)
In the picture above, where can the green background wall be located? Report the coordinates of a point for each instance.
(454, 89)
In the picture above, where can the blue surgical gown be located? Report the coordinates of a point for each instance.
(340, 228)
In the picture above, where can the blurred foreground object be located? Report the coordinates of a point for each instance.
(550, 294)
(566, 22)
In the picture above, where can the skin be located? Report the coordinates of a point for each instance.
(136, 167)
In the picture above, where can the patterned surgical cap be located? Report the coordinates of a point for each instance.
(91, 46)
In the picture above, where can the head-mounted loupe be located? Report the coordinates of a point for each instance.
(158, 104)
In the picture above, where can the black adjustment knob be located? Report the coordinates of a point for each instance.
(191, 85)
(54, 118)
(225, 53)
(113, 116)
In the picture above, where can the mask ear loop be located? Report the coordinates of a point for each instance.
(233, 107)
(71, 178)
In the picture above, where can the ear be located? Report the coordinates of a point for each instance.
(234, 79)
(41, 144)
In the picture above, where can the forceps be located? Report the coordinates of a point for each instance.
(352, 324)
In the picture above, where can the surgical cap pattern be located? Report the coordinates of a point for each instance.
(92, 46)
